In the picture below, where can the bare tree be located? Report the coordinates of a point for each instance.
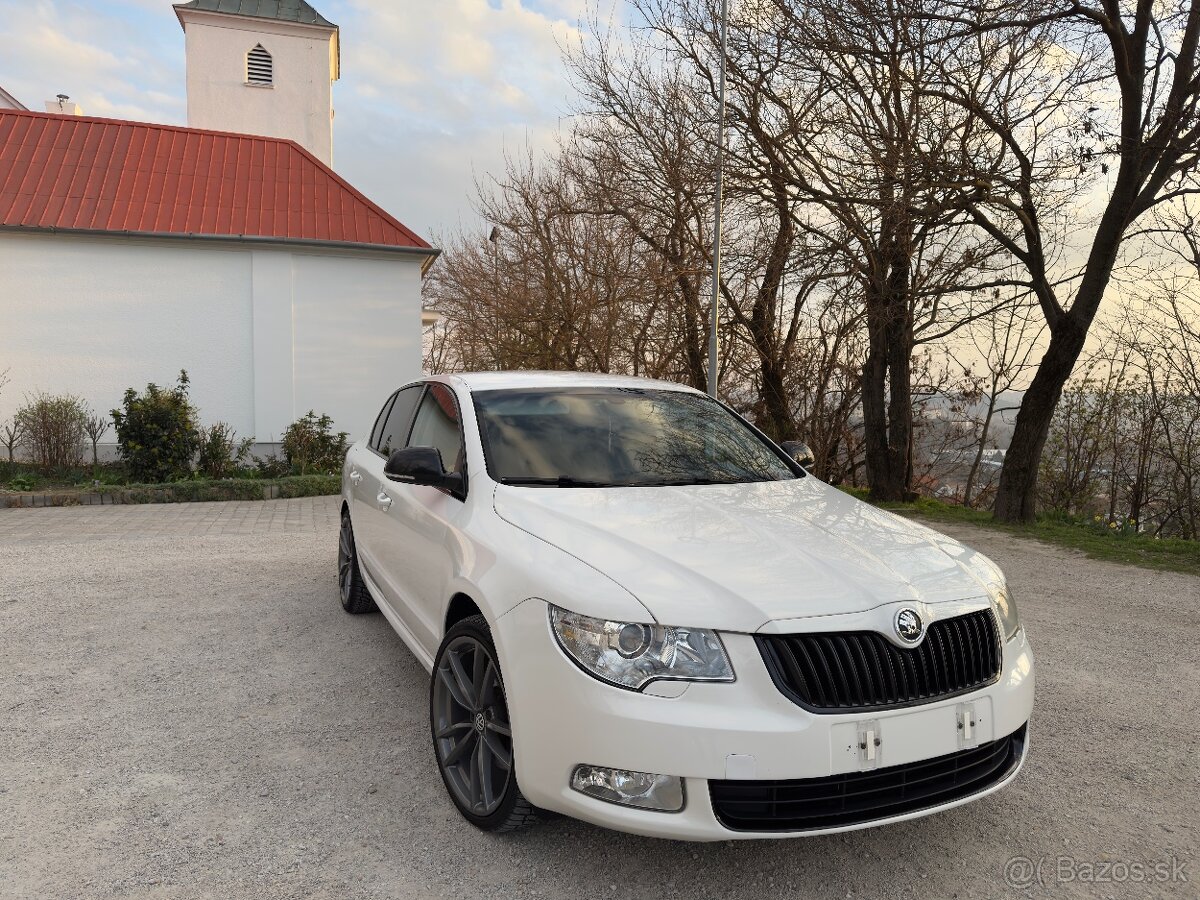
(555, 287)
(12, 435)
(1108, 88)
(96, 425)
(641, 145)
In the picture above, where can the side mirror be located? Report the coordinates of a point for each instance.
(421, 465)
(801, 453)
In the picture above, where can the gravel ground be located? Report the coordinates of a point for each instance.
(185, 711)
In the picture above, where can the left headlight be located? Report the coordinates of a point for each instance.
(631, 654)
(1006, 608)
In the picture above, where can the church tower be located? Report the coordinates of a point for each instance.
(262, 67)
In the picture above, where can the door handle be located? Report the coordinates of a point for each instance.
(355, 476)
(385, 502)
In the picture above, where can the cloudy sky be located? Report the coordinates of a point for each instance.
(431, 93)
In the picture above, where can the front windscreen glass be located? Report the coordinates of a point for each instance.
(618, 437)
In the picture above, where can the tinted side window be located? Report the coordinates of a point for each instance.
(377, 431)
(395, 430)
(437, 425)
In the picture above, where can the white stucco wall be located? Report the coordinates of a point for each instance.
(265, 333)
(298, 106)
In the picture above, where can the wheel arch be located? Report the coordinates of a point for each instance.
(461, 606)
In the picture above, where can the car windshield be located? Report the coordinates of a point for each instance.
(619, 437)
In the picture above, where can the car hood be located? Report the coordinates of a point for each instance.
(736, 557)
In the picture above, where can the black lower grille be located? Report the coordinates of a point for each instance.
(861, 670)
(808, 804)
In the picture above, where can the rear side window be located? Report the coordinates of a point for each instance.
(380, 421)
(395, 429)
(437, 425)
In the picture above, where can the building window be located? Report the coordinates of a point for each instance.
(258, 66)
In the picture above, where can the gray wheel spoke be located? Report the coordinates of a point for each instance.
(487, 684)
(499, 728)
(497, 750)
(462, 681)
(484, 762)
(451, 685)
(447, 730)
(473, 778)
(463, 747)
(480, 666)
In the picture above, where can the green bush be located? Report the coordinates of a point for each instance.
(221, 454)
(22, 483)
(273, 466)
(52, 429)
(157, 432)
(312, 448)
(232, 489)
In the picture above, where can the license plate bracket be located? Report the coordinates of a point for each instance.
(904, 736)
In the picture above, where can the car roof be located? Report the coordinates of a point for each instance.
(489, 381)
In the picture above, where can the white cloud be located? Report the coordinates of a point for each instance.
(101, 57)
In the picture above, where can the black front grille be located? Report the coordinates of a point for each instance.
(860, 670)
(807, 804)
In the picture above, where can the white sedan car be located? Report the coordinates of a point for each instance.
(639, 611)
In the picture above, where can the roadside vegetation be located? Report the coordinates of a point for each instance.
(165, 454)
(1121, 541)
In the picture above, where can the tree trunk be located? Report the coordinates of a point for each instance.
(887, 410)
(1016, 495)
(779, 423)
(887, 376)
(695, 344)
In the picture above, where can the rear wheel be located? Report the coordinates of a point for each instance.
(355, 596)
(472, 734)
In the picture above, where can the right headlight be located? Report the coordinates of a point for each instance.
(632, 654)
(1006, 608)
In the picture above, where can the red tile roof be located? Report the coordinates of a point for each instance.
(87, 174)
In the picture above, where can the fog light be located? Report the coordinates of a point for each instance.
(661, 792)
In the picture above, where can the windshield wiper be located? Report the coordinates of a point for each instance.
(684, 482)
(563, 481)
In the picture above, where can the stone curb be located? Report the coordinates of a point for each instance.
(113, 498)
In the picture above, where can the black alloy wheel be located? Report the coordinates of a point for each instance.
(472, 734)
(355, 596)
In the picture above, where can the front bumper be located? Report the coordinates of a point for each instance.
(746, 730)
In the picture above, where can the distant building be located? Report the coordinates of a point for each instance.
(8, 101)
(129, 251)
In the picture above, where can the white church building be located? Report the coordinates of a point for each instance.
(229, 248)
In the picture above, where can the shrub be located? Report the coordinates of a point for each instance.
(221, 455)
(312, 448)
(157, 433)
(273, 466)
(53, 429)
(22, 483)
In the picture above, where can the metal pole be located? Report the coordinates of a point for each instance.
(713, 348)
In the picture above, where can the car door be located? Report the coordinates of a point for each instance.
(369, 509)
(424, 522)
(361, 461)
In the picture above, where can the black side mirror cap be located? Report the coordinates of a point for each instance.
(421, 465)
(800, 452)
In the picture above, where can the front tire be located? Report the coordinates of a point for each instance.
(356, 599)
(472, 733)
